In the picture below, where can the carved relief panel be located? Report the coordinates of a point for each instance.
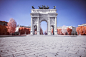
(43, 15)
(52, 20)
(34, 14)
(42, 19)
(34, 20)
(52, 14)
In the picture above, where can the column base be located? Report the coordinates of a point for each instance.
(49, 32)
(38, 32)
(55, 32)
(31, 32)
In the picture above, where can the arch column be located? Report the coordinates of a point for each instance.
(51, 29)
(49, 32)
(38, 26)
(55, 26)
(31, 32)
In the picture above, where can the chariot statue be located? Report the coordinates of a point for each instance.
(43, 7)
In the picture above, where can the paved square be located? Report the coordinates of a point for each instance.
(43, 46)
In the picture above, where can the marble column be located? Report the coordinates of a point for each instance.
(55, 26)
(49, 32)
(38, 26)
(51, 29)
(31, 32)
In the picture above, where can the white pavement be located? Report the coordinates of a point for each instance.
(43, 46)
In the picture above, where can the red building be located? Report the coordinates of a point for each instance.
(3, 29)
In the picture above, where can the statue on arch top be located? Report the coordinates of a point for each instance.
(54, 7)
(43, 7)
(33, 7)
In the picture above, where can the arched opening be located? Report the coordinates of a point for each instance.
(52, 29)
(35, 30)
(43, 26)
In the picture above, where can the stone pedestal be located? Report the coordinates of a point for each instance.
(31, 32)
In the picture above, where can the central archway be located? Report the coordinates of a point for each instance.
(44, 27)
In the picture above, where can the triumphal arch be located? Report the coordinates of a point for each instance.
(44, 14)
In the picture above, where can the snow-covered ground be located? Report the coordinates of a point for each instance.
(43, 46)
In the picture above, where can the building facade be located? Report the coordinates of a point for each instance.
(17, 29)
(82, 25)
(3, 23)
(71, 27)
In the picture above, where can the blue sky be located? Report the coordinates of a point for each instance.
(70, 12)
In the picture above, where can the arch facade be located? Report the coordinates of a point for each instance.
(48, 15)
